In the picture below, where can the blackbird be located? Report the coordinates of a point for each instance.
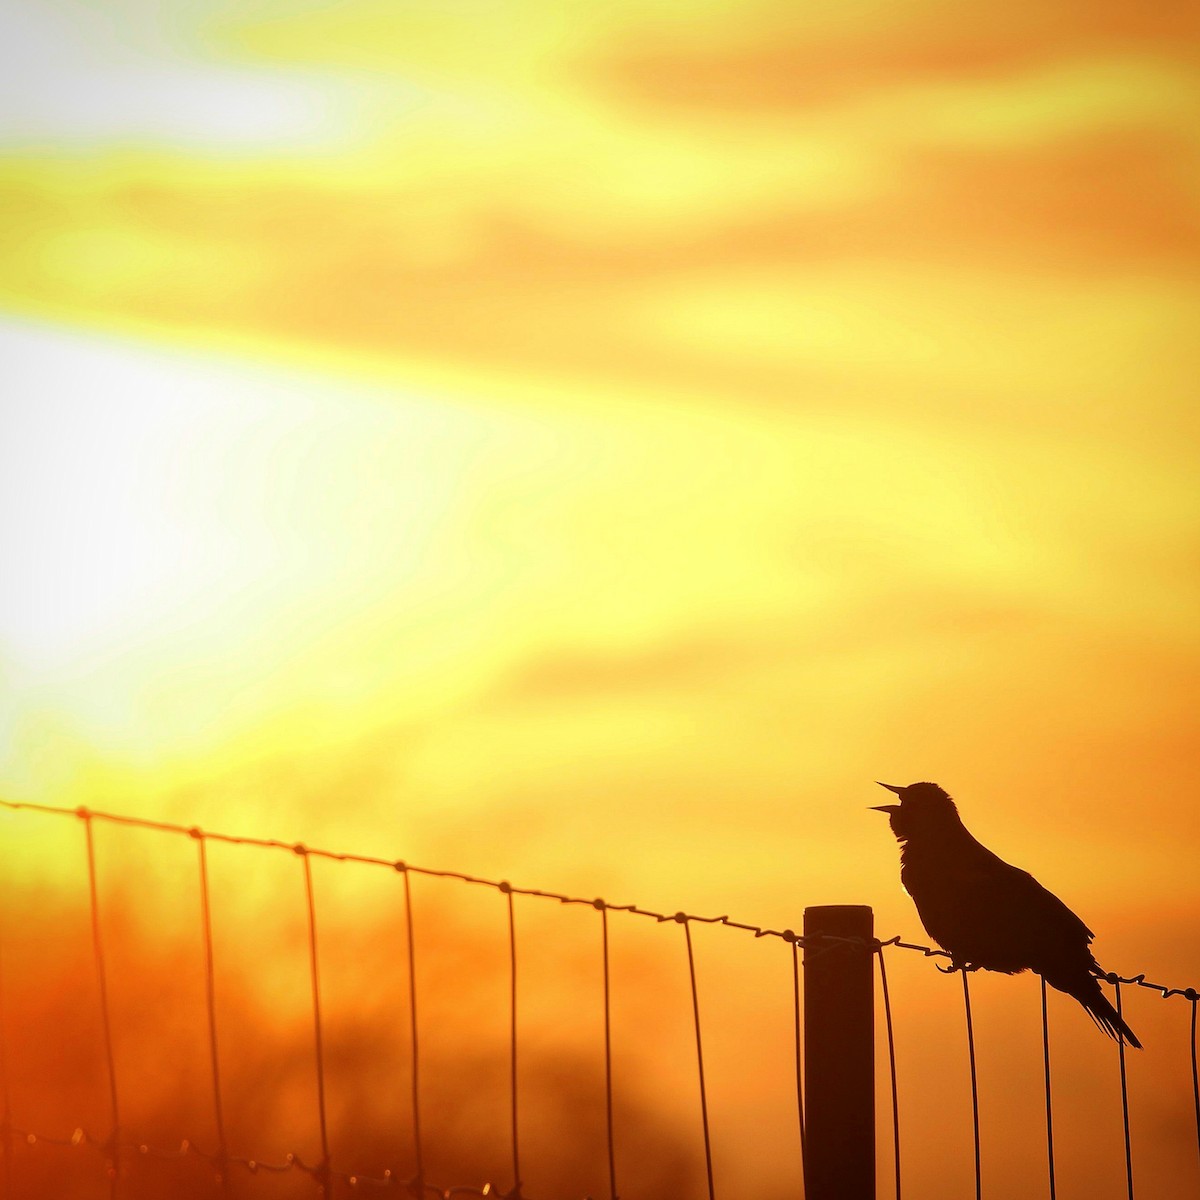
(987, 913)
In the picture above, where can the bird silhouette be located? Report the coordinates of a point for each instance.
(987, 913)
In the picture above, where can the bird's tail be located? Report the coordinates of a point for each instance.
(1087, 992)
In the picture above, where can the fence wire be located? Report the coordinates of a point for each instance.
(210, 1012)
(974, 1087)
(1049, 1101)
(118, 1147)
(114, 1146)
(892, 1077)
(6, 1129)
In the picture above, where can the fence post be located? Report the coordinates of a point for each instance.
(839, 1053)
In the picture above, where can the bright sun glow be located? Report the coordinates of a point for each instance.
(148, 497)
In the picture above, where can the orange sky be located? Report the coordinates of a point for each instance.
(589, 445)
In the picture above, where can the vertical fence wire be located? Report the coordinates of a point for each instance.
(891, 1046)
(1193, 997)
(323, 1174)
(1124, 1097)
(798, 1036)
(974, 1084)
(114, 1147)
(512, 1038)
(1049, 1107)
(211, 1006)
(6, 1137)
(608, 1083)
(414, 1043)
(687, 933)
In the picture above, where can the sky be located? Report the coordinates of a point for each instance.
(588, 446)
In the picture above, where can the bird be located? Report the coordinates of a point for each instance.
(987, 913)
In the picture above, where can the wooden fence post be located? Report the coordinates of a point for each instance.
(839, 1053)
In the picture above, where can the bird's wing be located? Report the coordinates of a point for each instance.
(1051, 910)
(1021, 923)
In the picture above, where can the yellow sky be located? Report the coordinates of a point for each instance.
(590, 444)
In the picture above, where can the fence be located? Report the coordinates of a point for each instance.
(832, 1042)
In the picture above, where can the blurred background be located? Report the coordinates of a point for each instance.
(588, 445)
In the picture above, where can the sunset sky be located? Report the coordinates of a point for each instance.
(588, 445)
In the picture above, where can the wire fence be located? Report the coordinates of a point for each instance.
(119, 1146)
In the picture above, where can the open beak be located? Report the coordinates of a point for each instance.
(887, 808)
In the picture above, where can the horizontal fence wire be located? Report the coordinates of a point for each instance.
(399, 865)
(119, 1146)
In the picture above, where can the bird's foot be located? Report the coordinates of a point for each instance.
(956, 965)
